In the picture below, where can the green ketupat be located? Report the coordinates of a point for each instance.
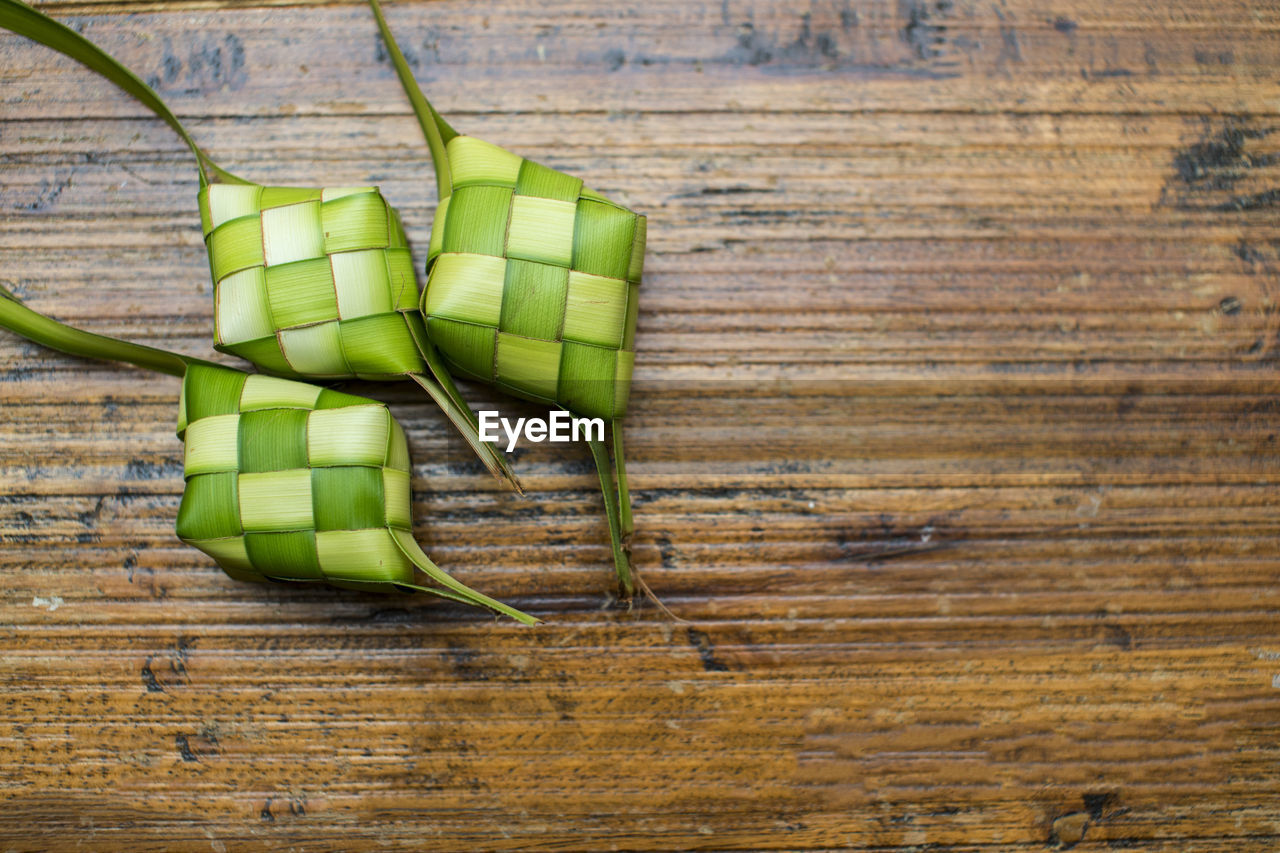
(533, 285)
(534, 281)
(285, 481)
(315, 283)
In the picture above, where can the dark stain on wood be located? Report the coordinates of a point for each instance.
(1096, 804)
(925, 29)
(1209, 172)
(701, 641)
(145, 469)
(1254, 201)
(149, 679)
(184, 748)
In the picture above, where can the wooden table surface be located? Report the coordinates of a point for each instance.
(954, 440)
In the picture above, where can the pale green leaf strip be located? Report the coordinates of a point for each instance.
(621, 562)
(481, 163)
(352, 435)
(276, 501)
(411, 550)
(463, 419)
(624, 492)
(211, 445)
(596, 310)
(369, 555)
(529, 364)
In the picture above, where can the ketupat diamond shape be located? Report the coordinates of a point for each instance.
(533, 281)
(288, 481)
(311, 282)
(533, 285)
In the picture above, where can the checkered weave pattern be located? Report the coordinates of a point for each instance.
(533, 281)
(311, 282)
(289, 481)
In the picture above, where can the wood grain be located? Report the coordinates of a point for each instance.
(954, 441)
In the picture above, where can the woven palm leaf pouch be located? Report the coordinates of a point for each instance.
(285, 480)
(314, 283)
(533, 285)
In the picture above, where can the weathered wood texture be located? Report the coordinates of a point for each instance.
(955, 440)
